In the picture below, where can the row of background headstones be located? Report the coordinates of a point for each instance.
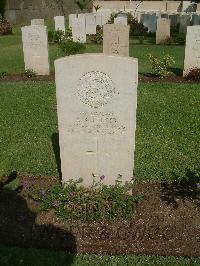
(115, 39)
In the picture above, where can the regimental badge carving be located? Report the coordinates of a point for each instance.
(95, 89)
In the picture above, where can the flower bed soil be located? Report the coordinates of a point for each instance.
(51, 77)
(166, 222)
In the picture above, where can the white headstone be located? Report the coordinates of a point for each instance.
(96, 104)
(90, 24)
(116, 39)
(163, 30)
(121, 19)
(192, 49)
(37, 22)
(71, 17)
(105, 16)
(79, 30)
(98, 18)
(60, 23)
(35, 48)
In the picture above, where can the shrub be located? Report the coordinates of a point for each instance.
(5, 27)
(161, 66)
(141, 39)
(100, 202)
(59, 36)
(194, 74)
(180, 39)
(98, 37)
(69, 47)
(136, 28)
(30, 73)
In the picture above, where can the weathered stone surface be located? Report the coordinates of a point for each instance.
(79, 30)
(37, 22)
(35, 48)
(98, 18)
(163, 30)
(71, 17)
(96, 101)
(121, 19)
(90, 23)
(116, 39)
(192, 49)
(60, 23)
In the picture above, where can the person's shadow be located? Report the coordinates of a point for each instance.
(18, 226)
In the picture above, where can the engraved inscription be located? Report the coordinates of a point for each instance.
(97, 123)
(95, 89)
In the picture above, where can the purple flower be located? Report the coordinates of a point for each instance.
(56, 203)
(72, 193)
(26, 184)
(102, 177)
(42, 192)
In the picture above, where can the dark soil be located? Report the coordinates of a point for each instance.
(142, 78)
(166, 222)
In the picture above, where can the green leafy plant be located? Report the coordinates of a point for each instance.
(141, 39)
(98, 37)
(161, 66)
(99, 202)
(3, 74)
(30, 73)
(69, 47)
(136, 28)
(59, 36)
(180, 39)
(194, 74)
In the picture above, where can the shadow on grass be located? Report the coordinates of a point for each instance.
(187, 188)
(177, 71)
(18, 226)
(56, 149)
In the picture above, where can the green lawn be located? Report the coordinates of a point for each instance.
(167, 136)
(32, 257)
(11, 53)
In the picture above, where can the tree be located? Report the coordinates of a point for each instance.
(2, 8)
(83, 4)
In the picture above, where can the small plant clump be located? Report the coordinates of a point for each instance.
(5, 27)
(194, 74)
(59, 36)
(161, 66)
(99, 202)
(30, 73)
(3, 74)
(69, 47)
(98, 37)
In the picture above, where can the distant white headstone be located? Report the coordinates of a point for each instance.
(192, 49)
(163, 30)
(96, 103)
(37, 22)
(79, 30)
(105, 16)
(116, 39)
(121, 19)
(90, 24)
(98, 18)
(71, 17)
(35, 48)
(60, 23)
